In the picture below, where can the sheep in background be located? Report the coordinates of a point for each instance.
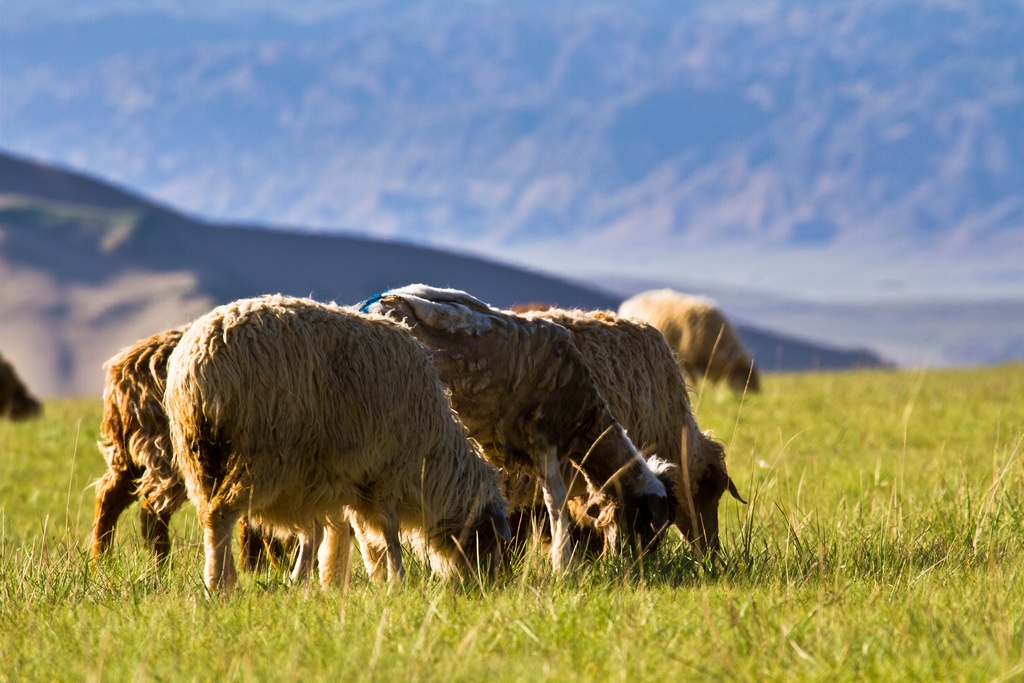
(135, 442)
(16, 403)
(637, 374)
(705, 342)
(294, 411)
(526, 395)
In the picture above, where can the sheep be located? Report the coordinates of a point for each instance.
(705, 342)
(135, 442)
(526, 395)
(295, 411)
(16, 403)
(636, 373)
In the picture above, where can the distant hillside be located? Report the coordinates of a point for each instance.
(774, 352)
(82, 277)
(26, 178)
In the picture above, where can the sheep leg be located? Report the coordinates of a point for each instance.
(335, 555)
(555, 495)
(309, 540)
(371, 550)
(220, 571)
(156, 530)
(612, 547)
(260, 548)
(251, 545)
(396, 572)
(115, 492)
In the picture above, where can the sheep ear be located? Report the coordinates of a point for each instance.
(500, 521)
(734, 492)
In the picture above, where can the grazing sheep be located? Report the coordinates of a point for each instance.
(526, 395)
(706, 344)
(135, 442)
(16, 403)
(636, 373)
(298, 412)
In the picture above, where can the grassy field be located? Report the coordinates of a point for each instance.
(882, 542)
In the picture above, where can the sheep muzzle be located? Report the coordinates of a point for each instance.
(661, 513)
(499, 522)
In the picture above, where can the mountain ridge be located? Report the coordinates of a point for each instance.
(78, 282)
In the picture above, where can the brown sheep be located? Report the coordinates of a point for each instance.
(135, 443)
(526, 395)
(297, 412)
(705, 342)
(636, 372)
(16, 403)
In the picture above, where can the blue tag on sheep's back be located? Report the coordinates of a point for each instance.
(364, 305)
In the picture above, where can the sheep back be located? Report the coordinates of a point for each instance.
(705, 342)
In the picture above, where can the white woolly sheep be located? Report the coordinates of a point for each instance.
(636, 373)
(295, 411)
(705, 342)
(135, 443)
(16, 403)
(526, 395)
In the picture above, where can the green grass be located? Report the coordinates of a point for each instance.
(882, 542)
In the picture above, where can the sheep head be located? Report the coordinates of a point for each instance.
(635, 516)
(477, 549)
(22, 406)
(15, 401)
(712, 483)
(744, 377)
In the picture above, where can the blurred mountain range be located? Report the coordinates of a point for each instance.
(86, 268)
(813, 150)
